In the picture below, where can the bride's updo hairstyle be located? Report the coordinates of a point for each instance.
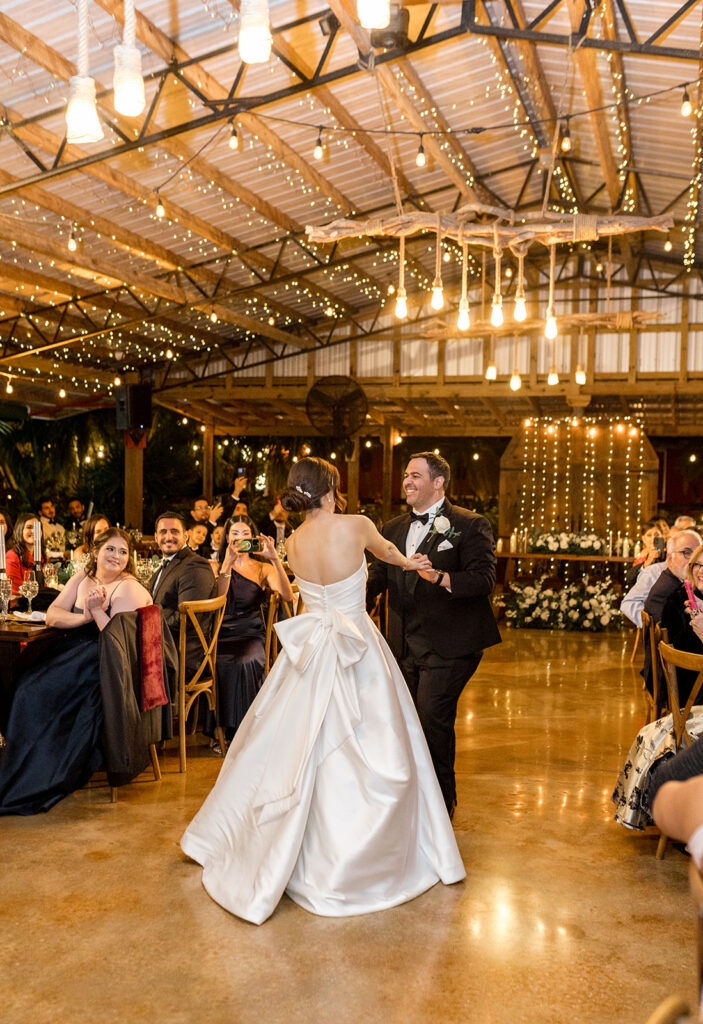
(308, 482)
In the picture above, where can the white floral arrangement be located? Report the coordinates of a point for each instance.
(568, 544)
(584, 606)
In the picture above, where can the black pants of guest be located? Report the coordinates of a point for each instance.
(684, 765)
(435, 685)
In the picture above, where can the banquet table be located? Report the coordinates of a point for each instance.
(511, 559)
(15, 635)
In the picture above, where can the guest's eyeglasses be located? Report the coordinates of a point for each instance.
(685, 551)
(695, 565)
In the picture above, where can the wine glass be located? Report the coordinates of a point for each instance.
(5, 595)
(29, 587)
(51, 577)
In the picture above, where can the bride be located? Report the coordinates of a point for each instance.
(327, 792)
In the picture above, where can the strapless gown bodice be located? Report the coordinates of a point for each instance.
(328, 791)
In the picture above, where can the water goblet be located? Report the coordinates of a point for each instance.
(5, 595)
(29, 587)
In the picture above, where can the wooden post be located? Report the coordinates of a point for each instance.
(387, 495)
(208, 460)
(133, 481)
(353, 478)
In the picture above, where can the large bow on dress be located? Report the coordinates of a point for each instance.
(322, 648)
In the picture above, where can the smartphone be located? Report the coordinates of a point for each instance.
(241, 471)
(660, 544)
(692, 602)
(253, 546)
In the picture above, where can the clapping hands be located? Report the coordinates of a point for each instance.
(96, 600)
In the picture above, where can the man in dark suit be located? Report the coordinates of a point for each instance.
(182, 576)
(439, 621)
(680, 546)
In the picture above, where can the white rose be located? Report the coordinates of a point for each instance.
(441, 524)
(572, 602)
(604, 620)
(544, 615)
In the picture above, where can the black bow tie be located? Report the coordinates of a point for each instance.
(415, 518)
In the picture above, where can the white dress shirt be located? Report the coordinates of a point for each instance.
(633, 601)
(163, 565)
(418, 531)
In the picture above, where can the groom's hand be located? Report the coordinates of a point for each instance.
(419, 562)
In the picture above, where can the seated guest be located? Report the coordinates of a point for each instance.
(640, 776)
(20, 550)
(6, 521)
(198, 539)
(52, 530)
(216, 540)
(685, 523)
(653, 546)
(182, 576)
(203, 512)
(53, 739)
(76, 514)
(240, 646)
(633, 602)
(92, 528)
(277, 523)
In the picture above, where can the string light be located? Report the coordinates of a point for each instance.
(72, 244)
(566, 138)
(213, 317)
(437, 287)
(686, 105)
(160, 209)
(374, 13)
(127, 81)
(401, 301)
(550, 327)
(464, 318)
(233, 141)
(520, 311)
(254, 32)
(420, 159)
(9, 388)
(318, 152)
(62, 393)
(668, 246)
(82, 122)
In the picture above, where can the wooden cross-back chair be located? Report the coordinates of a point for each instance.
(657, 700)
(671, 659)
(204, 679)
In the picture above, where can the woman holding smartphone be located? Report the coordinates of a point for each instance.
(240, 647)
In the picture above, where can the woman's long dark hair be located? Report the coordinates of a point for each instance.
(88, 538)
(101, 540)
(19, 545)
(225, 536)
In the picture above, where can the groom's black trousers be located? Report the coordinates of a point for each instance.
(435, 684)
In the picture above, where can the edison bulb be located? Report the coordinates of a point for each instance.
(491, 372)
(374, 13)
(515, 381)
(497, 311)
(160, 211)
(553, 377)
(234, 139)
(318, 151)
(520, 311)
(668, 246)
(72, 244)
(401, 304)
(213, 317)
(550, 328)
(580, 375)
(420, 159)
(686, 105)
(437, 296)
(9, 388)
(463, 320)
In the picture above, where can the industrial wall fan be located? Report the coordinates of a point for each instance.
(336, 406)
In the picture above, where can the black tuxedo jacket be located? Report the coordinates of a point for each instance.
(187, 577)
(455, 624)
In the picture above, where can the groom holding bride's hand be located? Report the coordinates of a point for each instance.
(439, 619)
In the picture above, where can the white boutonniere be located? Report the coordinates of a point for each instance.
(443, 527)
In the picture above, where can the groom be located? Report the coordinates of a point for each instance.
(440, 620)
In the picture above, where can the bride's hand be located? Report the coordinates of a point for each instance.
(419, 562)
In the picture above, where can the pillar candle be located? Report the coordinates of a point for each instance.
(513, 541)
(37, 541)
(499, 544)
(2, 548)
(626, 548)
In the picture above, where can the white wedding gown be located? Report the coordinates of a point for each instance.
(327, 791)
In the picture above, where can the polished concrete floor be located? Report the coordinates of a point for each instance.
(563, 917)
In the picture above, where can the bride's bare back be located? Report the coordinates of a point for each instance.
(328, 548)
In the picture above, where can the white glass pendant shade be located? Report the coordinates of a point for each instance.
(464, 319)
(515, 381)
(127, 81)
(374, 13)
(254, 32)
(497, 311)
(437, 297)
(82, 122)
(580, 375)
(553, 377)
(550, 327)
(491, 372)
(520, 311)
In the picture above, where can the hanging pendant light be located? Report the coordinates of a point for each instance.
(516, 379)
(82, 122)
(437, 286)
(254, 31)
(491, 369)
(127, 81)
(497, 318)
(374, 13)
(550, 327)
(401, 300)
(464, 318)
(520, 311)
